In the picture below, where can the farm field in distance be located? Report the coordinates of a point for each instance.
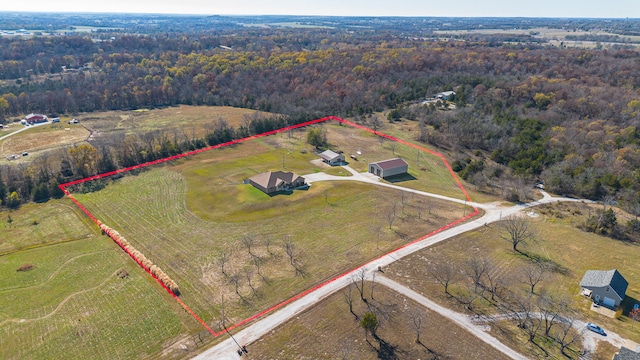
(220, 238)
(190, 121)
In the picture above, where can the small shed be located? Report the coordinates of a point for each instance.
(608, 287)
(387, 168)
(332, 158)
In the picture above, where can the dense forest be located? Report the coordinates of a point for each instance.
(525, 111)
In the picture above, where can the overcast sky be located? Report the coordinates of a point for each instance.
(471, 8)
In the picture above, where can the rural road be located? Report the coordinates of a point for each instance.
(493, 212)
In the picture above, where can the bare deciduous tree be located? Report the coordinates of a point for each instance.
(467, 297)
(391, 214)
(358, 280)
(248, 271)
(533, 275)
(347, 293)
(222, 260)
(517, 230)
(248, 241)
(551, 307)
(475, 270)
(445, 274)
(416, 320)
(494, 279)
(292, 253)
(566, 335)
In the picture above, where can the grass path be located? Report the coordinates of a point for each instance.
(54, 273)
(62, 303)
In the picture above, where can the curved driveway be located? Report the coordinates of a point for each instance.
(493, 212)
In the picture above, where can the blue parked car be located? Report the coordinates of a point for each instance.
(596, 329)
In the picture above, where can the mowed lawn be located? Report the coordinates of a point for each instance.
(35, 225)
(567, 249)
(428, 171)
(220, 238)
(82, 299)
(330, 331)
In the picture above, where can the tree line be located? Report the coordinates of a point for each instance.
(38, 180)
(521, 113)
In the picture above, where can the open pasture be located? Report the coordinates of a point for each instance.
(190, 120)
(83, 299)
(220, 238)
(42, 138)
(35, 225)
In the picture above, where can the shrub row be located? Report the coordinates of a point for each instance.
(140, 258)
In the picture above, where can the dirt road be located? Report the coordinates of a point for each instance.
(493, 212)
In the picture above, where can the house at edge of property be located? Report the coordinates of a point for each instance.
(35, 118)
(274, 182)
(332, 158)
(607, 287)
(387, 168)
(626, 354)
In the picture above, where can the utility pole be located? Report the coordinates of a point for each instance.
(241, 349)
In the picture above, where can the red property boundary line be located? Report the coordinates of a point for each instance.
(64, 186)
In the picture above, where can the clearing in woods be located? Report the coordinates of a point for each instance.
(180, 121)
(220, 238)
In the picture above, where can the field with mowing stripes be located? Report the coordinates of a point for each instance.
(76, 304)
(189, 216)
(68, 292)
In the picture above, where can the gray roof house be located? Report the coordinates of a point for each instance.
(389, 167)
(608, 287)
(332, 158)
(626, 354)
(445, 95)
(276, 181)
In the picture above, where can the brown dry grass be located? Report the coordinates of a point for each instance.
(193, 120)
(330, 331)
(42, 138)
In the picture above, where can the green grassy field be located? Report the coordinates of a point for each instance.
(431, 168)
(57, 221)
(184, 216)
(73, 305)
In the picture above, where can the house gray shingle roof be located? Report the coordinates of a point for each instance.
(602, 278)
(391, 163)
(626, 354)
(272, 179)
